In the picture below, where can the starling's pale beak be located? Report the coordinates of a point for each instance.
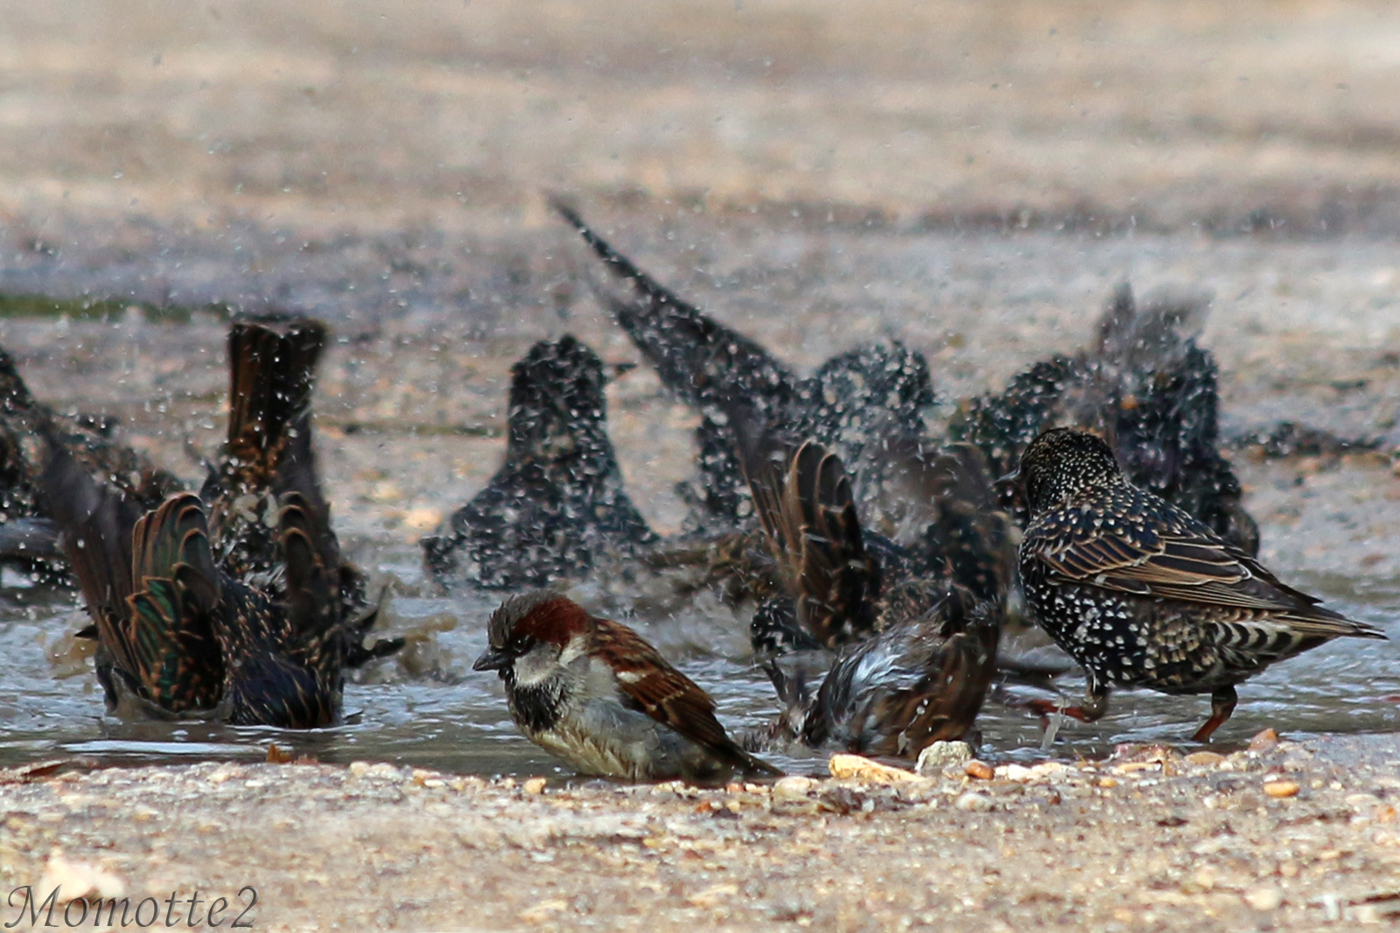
(492, 660)
(618, 370)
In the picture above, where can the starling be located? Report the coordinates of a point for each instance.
(556, 506)
(1147, 386)
(1142, 594)
(913, 649)
(239, 608)
(28, 535)
(856, 397)
(266, 475)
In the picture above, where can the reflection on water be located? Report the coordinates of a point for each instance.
(430, 709)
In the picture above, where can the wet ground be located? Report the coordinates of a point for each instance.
(972, 179)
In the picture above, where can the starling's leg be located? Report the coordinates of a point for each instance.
(1091, 710)
(1222, 704)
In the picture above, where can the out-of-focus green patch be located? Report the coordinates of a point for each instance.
(417, 430)
(98, 309)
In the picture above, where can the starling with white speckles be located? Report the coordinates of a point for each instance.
(556, 507)
(1147, 386)
(850, 404)
(1144, 595)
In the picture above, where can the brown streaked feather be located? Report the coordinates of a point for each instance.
(176, 535)
(1186, 561)
(805, 505)
(656, 688)
(169, 618)
(651, 685)
(311, 596)
(941, 708)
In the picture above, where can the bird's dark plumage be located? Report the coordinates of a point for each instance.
(28, 534)
(851, 401)
(1147, 386)
(917, 649)
(557, 504)
(1143, 594)
(246, 616)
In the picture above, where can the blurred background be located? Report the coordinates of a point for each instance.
(352, 116)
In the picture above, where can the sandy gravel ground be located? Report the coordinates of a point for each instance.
(1288, 837)
(972, 177)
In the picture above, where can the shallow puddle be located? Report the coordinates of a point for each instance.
(430, 709)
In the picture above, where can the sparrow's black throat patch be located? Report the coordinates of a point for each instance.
(538, 707)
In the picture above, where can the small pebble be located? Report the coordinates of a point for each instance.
(79, 880)
(1205, 759)
(1264, 741)
(1019, 773)
(1264, 897)
(939, 755)
(973, 803)
(535, 785)
(979, 770)
(860, 768)
(792, 787)
(1281, 788)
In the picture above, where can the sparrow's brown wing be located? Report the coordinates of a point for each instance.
(650, 684)
(805, 505)
(1170, 555)
(656, 688)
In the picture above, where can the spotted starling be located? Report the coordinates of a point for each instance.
(238, 608)
(1142, 594)
(1147, 386)
(556, 505)
(852, 400)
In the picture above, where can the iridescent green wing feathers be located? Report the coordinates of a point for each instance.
(169, 626)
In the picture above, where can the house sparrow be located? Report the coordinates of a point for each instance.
(594, 693)
(1142, 594)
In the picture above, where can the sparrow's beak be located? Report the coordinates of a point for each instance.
(492, 660)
